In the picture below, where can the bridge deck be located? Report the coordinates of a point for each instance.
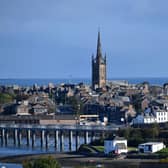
(59, 127)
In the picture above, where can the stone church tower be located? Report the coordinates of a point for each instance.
(98, 67)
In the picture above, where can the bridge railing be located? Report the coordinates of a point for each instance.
(59, 127)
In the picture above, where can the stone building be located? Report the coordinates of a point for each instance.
(22, 108)
(98, 67)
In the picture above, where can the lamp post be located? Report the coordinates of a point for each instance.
(78, 114)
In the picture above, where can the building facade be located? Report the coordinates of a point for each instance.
(98, 67)
(116, 145)
(151, 147)
(158, 116)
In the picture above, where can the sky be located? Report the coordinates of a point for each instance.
(56, 38)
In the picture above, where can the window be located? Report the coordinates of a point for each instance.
(150, 148)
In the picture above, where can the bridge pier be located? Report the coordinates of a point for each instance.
(47, 139)
(33, 138)
(86, 137)
(70, 139)
(77, 140)
(19, 137)
(15, 135)
(2, 136)
(6, 137)
(61, 141)
(42, 138)
(56, 139)
(28, 137)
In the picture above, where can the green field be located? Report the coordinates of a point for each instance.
(163, 151)
(132, 149)
(99, 148)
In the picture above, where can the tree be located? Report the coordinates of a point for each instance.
(45, 162)
(136, 100)
(21, 97)
(5, 98)
(135, 137)
(73, 101)
(76, 104)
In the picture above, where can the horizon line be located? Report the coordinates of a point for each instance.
(140, 77)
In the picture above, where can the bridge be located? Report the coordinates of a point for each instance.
(31, 131)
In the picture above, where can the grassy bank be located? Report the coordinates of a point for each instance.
(79, 161)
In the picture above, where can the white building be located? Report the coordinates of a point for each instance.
(158, 116)
(151, 147)
(22, 108)
(116, 145)
(161, 116)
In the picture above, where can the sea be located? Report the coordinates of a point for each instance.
(30, 82)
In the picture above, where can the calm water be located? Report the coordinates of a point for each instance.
(12, 150)
(7, 165)
(30, 82)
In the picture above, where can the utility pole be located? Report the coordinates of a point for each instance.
(78, 114)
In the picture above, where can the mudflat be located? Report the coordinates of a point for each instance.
(75, 160)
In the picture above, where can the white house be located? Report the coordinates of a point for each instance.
(22, 108)
(157, 116)
(116, 145)
(151, 147)
(161, 116)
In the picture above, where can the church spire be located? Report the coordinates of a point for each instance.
(98, 67)
(99, 52)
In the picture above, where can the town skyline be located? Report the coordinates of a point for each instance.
(57, 39)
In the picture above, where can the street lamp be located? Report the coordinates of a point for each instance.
(77, 114)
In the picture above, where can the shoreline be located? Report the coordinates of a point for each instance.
(72, 159)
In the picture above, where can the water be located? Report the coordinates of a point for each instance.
(12, 150)
(30, 82)
(7, 165)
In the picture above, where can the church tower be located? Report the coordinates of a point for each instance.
(98, 67)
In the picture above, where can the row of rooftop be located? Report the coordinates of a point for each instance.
(119, 101)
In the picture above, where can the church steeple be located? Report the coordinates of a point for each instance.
(98, 67)
(105, 58)
(99, 52)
